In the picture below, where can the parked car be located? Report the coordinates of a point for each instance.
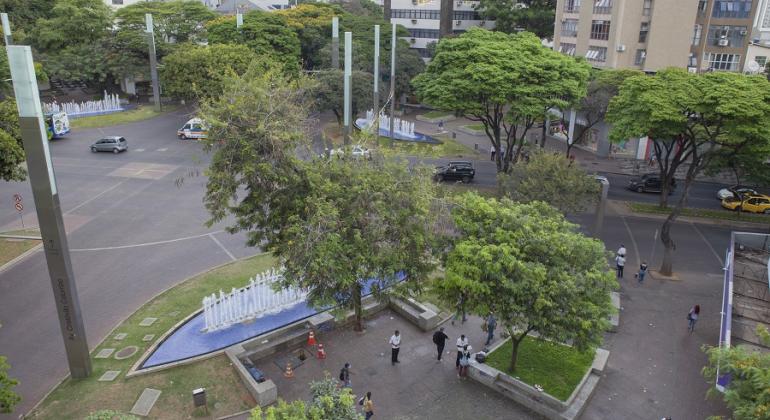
(114, 144)
(649, 183)
(356, 151)
(459, 170)
(753, 204)
(735, 190)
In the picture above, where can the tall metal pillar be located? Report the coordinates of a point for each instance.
(348, 83)
(376, 108)
(153, 62)
(446, 18)
(49, 214)
(6, 28)
(238, 20)
(335, 43)
(392, 84)
(600, 206)
(571, 129)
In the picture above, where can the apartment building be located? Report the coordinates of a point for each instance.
(650, 35)
(422, 19)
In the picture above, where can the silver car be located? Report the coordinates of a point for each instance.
(114, 144)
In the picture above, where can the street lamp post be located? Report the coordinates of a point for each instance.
(48, 207)
(348, 81)
(6, 28)
(153, 62)
(392, 84)
(376, 108)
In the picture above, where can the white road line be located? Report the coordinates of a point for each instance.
(232, 257)
(708, 244)
(139, 150)
(95, 197)
(162, 150)
(633, 241)
(109, 248)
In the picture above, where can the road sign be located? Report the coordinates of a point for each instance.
(19, 207)
(17, 198)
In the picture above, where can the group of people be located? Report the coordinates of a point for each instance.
(365, 401)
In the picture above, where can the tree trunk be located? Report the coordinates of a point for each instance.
(569, 148)
(358, 308)
(666, 268)
(543, 134)
(515, 341)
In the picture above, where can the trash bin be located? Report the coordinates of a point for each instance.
(199, 397)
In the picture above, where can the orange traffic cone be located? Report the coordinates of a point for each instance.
(289, 373)
(311, 339)
(321, 352)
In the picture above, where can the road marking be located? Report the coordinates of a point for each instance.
(109, 248)
(232, 257)
(139, 150)
(633, 241)
(95, 197)
(708, 244)
(162, 150)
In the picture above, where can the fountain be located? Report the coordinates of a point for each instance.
(107, 105)
(403, 129)
(253, 301)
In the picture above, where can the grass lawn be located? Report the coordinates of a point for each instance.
(436, 114)
(555, 367)
(12, 248)
(142, 112)
(75, 399)
(477, 127)
(722, 214)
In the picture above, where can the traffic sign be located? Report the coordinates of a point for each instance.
(19, 207)
(17, 198)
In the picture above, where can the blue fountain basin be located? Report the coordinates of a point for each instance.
(418, 137)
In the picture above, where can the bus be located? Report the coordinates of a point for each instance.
(58, 125)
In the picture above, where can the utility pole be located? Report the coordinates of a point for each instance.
(6, 29)
(153, 62)
(376, 92)
(335, 43)
(348, 81)
(48, 207)
(392, 84)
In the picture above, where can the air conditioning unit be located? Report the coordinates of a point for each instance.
(459, 3)
(621, 48)
(412, 40)
(723, 42)
(415, 2)
(458, 22)
(414, 21)
(643, 55)
(744, 32)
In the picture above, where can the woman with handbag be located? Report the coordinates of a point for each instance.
(368, 405)
(465, 361)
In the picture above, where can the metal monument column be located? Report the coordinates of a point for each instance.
(153, 62)
(376, 108)
(238, 20)
(392, 83)
(348, 82)
(49, 214)
(6, 28)
(335, 43)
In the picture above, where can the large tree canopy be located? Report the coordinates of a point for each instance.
(511, 16)
(329, 93)
(506, 82)
(174, 21)
(72, 22)
(11, 148)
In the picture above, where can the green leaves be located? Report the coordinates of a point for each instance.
(511, 16)
(11, 147)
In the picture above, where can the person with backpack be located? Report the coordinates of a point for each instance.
(465, 361)
(439, 338)
(345, 376)
(692, 318)
(461, 343)
(491, 324)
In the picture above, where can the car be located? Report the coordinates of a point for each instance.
(753, 204)
(114, 144)
(458, 170)
(735, 190)
(649, 183)
(356, 151)
(195, 128)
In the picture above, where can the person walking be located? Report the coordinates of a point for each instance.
(462, 342)
(368, 405)
(395, 345)
(465, 361)
(439, 338)
(642, 272)
(460, 310)
(622, 250)
(492, 154)
(692, 318)
(620, 263)
(491, 324)
(345, 376)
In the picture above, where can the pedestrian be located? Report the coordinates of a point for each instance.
(461, 343)
(642, 272)
(441, 126)
(492, 156)
(440, 339)
(368, 405)
(460, 309)
(622, 250)
(465, 361)
(692, 318)
(345, 376)
(395, 345)
(620, 263)
(491, 325)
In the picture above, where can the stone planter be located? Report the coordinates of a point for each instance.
(445, 118)
(468, 130)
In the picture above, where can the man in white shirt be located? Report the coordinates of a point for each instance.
(622, 250)
(395, 344)
(461, 343)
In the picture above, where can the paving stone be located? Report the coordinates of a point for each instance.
(148, 337)
(104, 353)
(120, 336)
(108, 376)
(145, 402)
(147, 322)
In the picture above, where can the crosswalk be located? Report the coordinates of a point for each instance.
(163, 149)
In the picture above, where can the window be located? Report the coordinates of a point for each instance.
(424, 52)
(726, 35)
(696, 34)
(603, 7)
(467, 15)
(415, 14)
(702, 5)
(600, 29)
(569, 27)
(727, 62)
(692, 60)
(572, 6)
(640, 56)
(740, 9)
(766, 17)
(643, 31)
(424, 33)
(646, 8)
(597, 54)
(568, 49)
(761, 60)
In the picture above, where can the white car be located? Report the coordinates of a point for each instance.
(730, 192)
(356, 151)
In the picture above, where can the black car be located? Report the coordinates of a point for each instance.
(649, 183)
(459, 170)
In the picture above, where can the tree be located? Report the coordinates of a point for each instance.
(360, 220)
(506, 82)
(330, 92)
(532, 268)
(690, 119)
(263, 32)
(11, 147)
(8, 398)
(511, 16)
(551, 178)
(196, 71)
(72, 22)
(328, 402)
(175, 21)
(748, 393)
(23, 15)
(313, 24)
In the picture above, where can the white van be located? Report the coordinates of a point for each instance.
(193, 129)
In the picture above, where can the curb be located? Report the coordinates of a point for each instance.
(622, 209)
(21, 257)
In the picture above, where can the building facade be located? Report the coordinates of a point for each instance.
(650, 35)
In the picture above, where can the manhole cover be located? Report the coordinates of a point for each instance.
(126, 352)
